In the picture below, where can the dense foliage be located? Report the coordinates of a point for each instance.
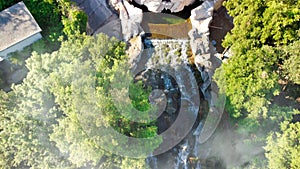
(57, 117)
(291, 65)
(264, 44)
(261, 31)
(283, 148)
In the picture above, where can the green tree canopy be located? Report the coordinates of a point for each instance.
(63, 108)
(258, 42)
(291, 65)
(264, 48)
(283, 149)
(261, 22)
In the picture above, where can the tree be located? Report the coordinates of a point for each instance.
(48, 16)
(282, 149)
(291, 65)
(4, 106)
(261, 22)
(28, 121)
(73, 19)
(89, 106)
(6, 4)
(250, 82)
(261, 126)
(63, 110)
(264, 45)
(261, 32)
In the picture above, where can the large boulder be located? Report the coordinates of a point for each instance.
(131, 17)
(111, 29)
(218, 4)
(131, 21)
(205, 10)
(200, 44)
(135, 50)
(202, 16)
(154, 5)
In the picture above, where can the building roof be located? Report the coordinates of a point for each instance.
(16, 24)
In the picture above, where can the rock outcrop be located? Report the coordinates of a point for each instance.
(131, 18)
(111, 29)
(159, 5)
(206, 62)
(134, 52)
(202, 16)
(200, 45)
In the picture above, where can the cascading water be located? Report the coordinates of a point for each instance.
(196, 144)
(196, 134)
(183, 154)
(173, 53)
(152, 162)
(169, 52)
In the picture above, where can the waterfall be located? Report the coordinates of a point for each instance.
(198, 165)
(167, 82)
(183, 154)
(152, 162)
(174, 54)
(197, 134)
(166, 49)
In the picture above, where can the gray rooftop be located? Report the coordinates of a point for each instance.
(16, 24)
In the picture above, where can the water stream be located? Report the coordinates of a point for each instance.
(159, 55)
(183, 154)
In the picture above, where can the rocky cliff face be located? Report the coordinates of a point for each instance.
(199, 35)
(104, 20)
(159, 5)
(206, 62)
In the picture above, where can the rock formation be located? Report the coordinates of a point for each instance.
(131, 18)
(200, 45)
(134, 52)
(159, 5)
(206, 62)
